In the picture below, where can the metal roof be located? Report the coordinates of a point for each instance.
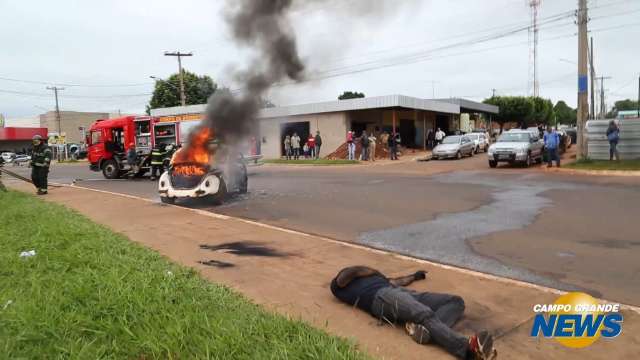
(472, 105)
(448, 106)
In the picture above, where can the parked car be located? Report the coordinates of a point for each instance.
(516, 146)
(21, 159)
(454, 146)
(8, 156)
(480, 141)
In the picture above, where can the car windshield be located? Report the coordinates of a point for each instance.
(473, 136)
(451, 140)
(514, 137)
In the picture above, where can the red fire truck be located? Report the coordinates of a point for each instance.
(109, 140)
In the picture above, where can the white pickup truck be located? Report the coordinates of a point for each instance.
(516, 146)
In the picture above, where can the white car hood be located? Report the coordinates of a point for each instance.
(509, 145)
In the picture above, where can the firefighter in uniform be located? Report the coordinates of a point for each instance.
(157, 158)
(40, 161)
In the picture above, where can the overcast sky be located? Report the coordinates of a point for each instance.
(422, 48)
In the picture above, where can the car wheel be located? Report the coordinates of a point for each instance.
(493, 164)
(168, 200)
(218, 198)
(527, 162)
(458, 155)
(110, 169)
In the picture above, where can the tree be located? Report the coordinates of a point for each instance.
(197, 89)
(542, 112)
(565, 114)
(516, 109)
(622, 105)
(350, 95)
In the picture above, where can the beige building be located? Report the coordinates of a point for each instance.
(72, 123)
(411, 117)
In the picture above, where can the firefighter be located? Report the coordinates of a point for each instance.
(157, 158)
(169, 151)
(40, 161)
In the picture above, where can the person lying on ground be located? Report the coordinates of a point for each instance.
(428, 317)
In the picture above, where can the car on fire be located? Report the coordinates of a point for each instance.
(516, 146)
(203, 169)
(454, 146)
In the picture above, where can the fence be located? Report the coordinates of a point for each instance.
(598, 145)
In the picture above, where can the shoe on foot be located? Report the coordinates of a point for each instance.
(418, 333)
(481, 347)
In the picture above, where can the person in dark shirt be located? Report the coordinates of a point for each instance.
(428, 317)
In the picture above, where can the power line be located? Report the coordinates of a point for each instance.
(70, 85)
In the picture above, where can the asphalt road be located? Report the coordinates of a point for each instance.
(569, 232)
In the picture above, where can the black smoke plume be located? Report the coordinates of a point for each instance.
(262, 25)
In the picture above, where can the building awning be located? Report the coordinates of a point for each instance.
(20, 134)
(446, 106)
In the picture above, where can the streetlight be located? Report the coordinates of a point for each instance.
(164, 81)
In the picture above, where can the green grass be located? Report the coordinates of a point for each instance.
(311, 162)
(626, 165)
(92, 294)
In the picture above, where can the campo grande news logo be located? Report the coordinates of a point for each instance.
(577, 320)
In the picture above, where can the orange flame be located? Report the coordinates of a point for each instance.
(192, 160)
(189, 170)
(196, 151)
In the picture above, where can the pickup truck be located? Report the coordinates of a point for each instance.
(516, 146)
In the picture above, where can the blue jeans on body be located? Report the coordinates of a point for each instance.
(552, 154)
(436, 312)
(318, 151)
(613, 150)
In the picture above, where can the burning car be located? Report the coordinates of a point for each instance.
(203, 169)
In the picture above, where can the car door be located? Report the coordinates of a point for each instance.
(466, 145)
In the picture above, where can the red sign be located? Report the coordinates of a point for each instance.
(17, 134)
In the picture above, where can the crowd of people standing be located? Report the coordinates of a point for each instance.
(310, 149)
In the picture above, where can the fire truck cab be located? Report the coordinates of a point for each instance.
(109, 140)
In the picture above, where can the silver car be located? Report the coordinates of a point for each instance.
(480, 142)
(455, 146)
(516, 146)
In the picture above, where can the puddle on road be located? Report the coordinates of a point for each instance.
(516, 201)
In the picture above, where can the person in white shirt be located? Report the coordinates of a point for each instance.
(440, 135)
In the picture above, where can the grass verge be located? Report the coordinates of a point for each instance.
(624, 165)
(91, 293)
(319, 162)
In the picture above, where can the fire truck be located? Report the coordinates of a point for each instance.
(109, 140)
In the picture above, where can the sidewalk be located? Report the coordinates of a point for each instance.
(290, 273)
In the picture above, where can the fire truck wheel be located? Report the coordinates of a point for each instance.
(110, 169)
(218, 199)
(168, 200)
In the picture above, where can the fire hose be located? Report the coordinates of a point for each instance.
(20, 177)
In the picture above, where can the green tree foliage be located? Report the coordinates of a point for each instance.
(516, 109)
(622, 105)
(167, 92)
(565, 114)
(542, 112)
(350, 95)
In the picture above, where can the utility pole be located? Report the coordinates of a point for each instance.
(603, 110)
(55, 92)
(583, 78)
(493, 92)
(533, 43)
(592, 112)
(183, 97)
